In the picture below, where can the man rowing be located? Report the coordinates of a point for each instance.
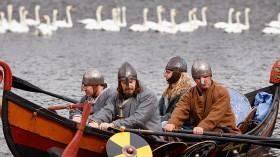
(207, 104)
(133, 106)
(96, 91)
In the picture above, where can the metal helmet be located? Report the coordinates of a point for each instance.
(177, 64)
(201, 68)
(126, 72)
(92, 76)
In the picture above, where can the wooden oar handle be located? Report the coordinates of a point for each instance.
(60, 107)
(72, 148)
(264, 141)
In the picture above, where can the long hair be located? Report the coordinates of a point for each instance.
(182, 84)
(138, 89)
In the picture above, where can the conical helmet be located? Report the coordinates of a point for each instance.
(177, 64)
(201, 68)
(92, 76)
(126, 72)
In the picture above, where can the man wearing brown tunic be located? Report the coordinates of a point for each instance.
(207, 104)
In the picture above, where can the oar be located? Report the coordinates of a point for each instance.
(202, 137)
(24, 85)
(60, 107)
(72, 148)
(243, 136)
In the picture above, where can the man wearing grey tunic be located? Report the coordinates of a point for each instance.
(97, 92)
(131, 106)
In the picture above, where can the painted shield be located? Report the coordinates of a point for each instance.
(126, 144)
(239, 104)
(275, 72)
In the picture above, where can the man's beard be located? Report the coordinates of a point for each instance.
(128, 95)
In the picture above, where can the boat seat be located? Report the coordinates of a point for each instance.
(239, 104)
(55, 152)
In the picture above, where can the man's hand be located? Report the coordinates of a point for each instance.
(93, 124)
(77, 119)
(104, 126)
(169, 127)
(197, 130)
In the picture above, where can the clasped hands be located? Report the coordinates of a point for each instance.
(102, 126)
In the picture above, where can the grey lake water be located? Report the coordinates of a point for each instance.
(56, 63)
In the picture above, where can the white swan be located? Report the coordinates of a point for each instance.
(235, 28)
(203, 16)
(165, 22)
(36, 21)
(20, 27)
(95, 25)
(223, 25)
(91, 20)
(275, 24)
(53, 25)
(271, 30)
(141, 27)
(44, 29)
(69, 22)
(123, 19)
(194, 21)
(187, 26)
(23, 25)
(111, 24)
(13, 24)
(2, 27)
(4, 22)
(155, 25)
(247, 24)
(173, 28)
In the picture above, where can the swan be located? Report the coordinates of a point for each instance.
(2, 28)
(36, 21)
(97, 25)
(194, 21)
(275, 24)
(173, 28)
(4, 22)
(186, 26)
(247, 24)
(69, 22)
(164, 22)
(53, 25)
(123, 21)
(91, 20)
(111, 24)
(271, 30)
(20, 27)
(203, 16)
(223, 25)
(24, 27)
(44, 29)
(141, 27)
(235, 28)
(13, 24)
(155, 25)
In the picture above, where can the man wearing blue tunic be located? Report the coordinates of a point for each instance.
(96, 90)
(132, 106)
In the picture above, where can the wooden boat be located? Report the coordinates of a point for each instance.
(31, 130)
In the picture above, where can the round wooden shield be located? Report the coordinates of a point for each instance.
(239, 104)
(126, 144)
(170, 149)
(201, 149)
